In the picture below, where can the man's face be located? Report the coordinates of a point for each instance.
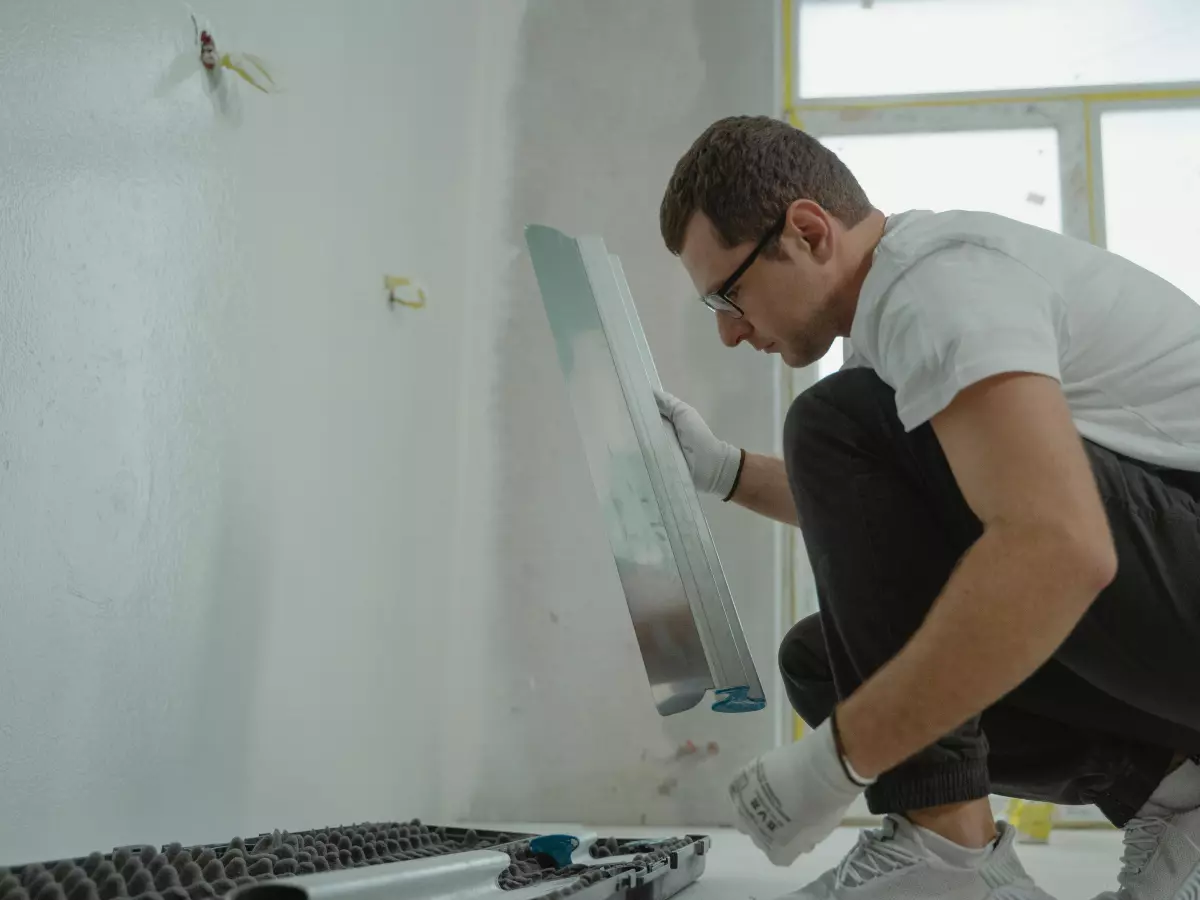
(786, 296)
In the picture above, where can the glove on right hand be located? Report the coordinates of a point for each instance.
(713, 463)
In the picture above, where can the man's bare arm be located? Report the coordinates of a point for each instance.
(763, 488)
(1045, 554)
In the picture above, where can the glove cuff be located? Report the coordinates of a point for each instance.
(737, 477)
(840, 750)
(823, 751)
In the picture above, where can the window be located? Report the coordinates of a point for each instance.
(1150, 209)
(1012, 172)
(886, 47)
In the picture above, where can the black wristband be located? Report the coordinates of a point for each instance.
(841, 752)
(736, 479)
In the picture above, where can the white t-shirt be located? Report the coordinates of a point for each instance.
(956, 297)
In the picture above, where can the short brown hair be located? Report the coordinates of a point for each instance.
(744, 171)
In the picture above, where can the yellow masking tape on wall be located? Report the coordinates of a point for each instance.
(404, 291)
(789, 57)
(1033, 820)
(1089, 157)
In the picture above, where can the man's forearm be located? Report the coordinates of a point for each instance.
(1013, 600)
(763, 488)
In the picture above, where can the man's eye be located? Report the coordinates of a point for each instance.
(732, 293)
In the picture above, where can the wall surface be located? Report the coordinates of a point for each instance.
(608, 96)
(273, 554)
(228, 471)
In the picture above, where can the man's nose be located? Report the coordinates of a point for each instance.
(733, 331)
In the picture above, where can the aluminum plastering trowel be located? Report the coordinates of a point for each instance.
(683, 615)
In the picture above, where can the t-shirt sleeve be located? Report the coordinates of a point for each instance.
(960, 315)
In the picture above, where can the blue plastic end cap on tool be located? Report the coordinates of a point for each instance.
(558, 847)
(737, 701)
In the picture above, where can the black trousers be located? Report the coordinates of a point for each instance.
(885, 523)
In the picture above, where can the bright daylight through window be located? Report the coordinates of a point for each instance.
(934, 46)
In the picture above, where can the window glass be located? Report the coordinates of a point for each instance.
(1013, 173)
(1150, 207)
(883, 47)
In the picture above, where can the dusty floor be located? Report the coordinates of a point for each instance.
(1076, 865)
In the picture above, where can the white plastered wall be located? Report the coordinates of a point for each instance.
(274, 555)
(607, 97)
(229, 473)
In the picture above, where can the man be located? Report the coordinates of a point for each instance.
(1000, 497)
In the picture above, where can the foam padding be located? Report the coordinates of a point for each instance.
(203, 872)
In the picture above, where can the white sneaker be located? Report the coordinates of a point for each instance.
(893, 863)
(1161, 859)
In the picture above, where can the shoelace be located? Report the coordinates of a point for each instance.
(1142, 837)
(871, 858)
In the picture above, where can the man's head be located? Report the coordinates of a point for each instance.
(754, 189)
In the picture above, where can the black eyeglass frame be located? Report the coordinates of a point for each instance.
(718, 301)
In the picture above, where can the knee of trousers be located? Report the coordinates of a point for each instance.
(853, 401)
(807, 676)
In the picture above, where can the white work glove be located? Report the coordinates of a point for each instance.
(791, 799)
(713, 463)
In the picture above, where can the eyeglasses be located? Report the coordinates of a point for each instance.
(718, 300)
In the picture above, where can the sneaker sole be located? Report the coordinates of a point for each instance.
(1191, 887)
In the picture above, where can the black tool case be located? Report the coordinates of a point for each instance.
(374, 861)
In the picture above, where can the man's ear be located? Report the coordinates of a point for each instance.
(810, 227)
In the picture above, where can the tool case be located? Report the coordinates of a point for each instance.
(374, 861)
